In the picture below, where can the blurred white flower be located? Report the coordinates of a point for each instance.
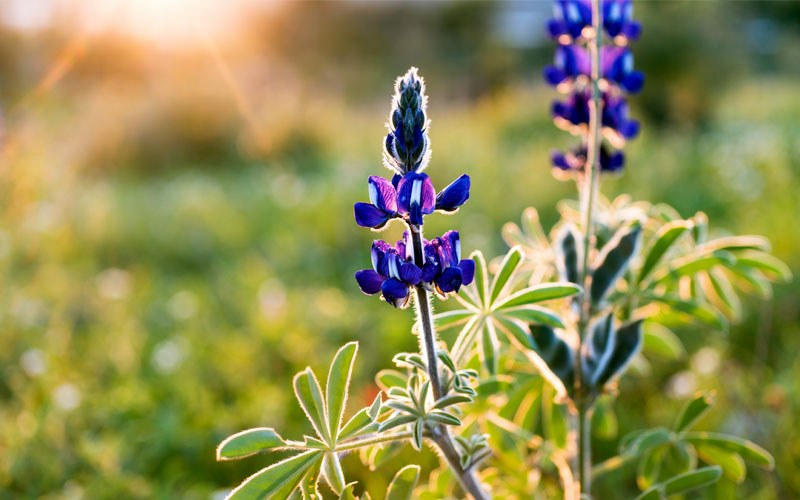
(34, 362)
(272, 299)
(681, 385)
(183, 305)
(705, 361)
(114, 283)
(168, 355)
(67, 396)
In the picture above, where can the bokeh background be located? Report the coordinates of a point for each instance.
(176, 230)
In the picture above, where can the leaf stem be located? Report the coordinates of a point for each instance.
(381, 438)
(440, 434)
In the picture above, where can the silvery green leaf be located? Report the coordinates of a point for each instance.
(396, 422)
(347, 493)
(691, 480)
(515, 330)
(744, 242)
(417, 434)
(627, 342)
(332, 470)
(661, 341)
(554, 352)
(554, 420)
(649, 467)
(731, 462)
(481, 278)
(391, 378)
(403, 483)
(279, 478)
(614, 259)
(598, 349)
(643, 441)
(694, 263)
(360, 420)
(441, 417)
(568, 250)
(502, 279)
(449, 319)
(446, 359)
(667, 235)
(309, 484)
(538, 293)
(766, 263)
(747, 449)
(309, 394)
(693, 308)
(532, 313)
(338, 382)
(693, 411)
(451, 399)
(489, 348)
(249, 442)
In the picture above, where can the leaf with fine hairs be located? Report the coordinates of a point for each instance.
(279, 478)
(667, 235)
(249, 442)
(693, 411)
(403, 483)
(507, 268)
(338, 382)
(309, 395)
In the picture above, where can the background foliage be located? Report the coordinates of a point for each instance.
(176, 235)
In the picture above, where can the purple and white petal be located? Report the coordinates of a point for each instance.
(368, 215)
(394, 291)
(454, 195)
(369, 281)
(382, 194)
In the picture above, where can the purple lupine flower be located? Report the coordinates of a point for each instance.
(617, 68)
(570, 62)
(618, 21)
(444, 270)
(572, 115)
(416, 196)
(405, 148)
(454, 195)
(574, 161)
(570, 17)
(391, 275)
(382, 206)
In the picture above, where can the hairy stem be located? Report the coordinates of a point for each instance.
(440, 434)
(591, 178)
(381, 438)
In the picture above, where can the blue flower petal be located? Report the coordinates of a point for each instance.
(368, 215)
(395, 292)
(553, 75)
(369, 281)
(633, 82)
(382, 194)
(410, 273)
(415, 196)
(450, 280)
(454, 195)
(467, 271)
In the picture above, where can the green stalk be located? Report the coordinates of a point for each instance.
(591, 178)
(440, 434)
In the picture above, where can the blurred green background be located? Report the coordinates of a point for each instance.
(177, 238)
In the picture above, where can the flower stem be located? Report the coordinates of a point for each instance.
(440, 434)
(591, 178)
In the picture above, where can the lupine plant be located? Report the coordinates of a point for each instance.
(509, 406)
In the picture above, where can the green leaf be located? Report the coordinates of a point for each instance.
(538, 293)
(649, 439)
(731, 462)
(396, 422)
(308, 485)
(534, 314)
(441, 417)
(747, 449)
(554, 420)
(614, 260)
(281, 477)
(691, 480)
(489, 348)
(249, 442)
(604, 421)
(744, 242)
(403, 484)
(510, 264)
(452, 318)
(332, 470)
(481, 277)
(451, 399)
(338, 382)
(667, 235)
(765, 262)
(627, 342)
(693, 411)
(661, 341)
(391, 378)
(533, 226)
(694, 263)
(649, 468)
(693, 308)
(567, 246)
(556, 353)
(347, 493)
(417, 434)
(309, 394)
(360, 420)
(515, 331)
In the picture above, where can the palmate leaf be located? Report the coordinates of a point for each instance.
(481, 278)
(538, 293)
(332, 471)
(695, 309)
(614, 259)
(507, 268)
(694, 263)
(748, 450)
(278, 479)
